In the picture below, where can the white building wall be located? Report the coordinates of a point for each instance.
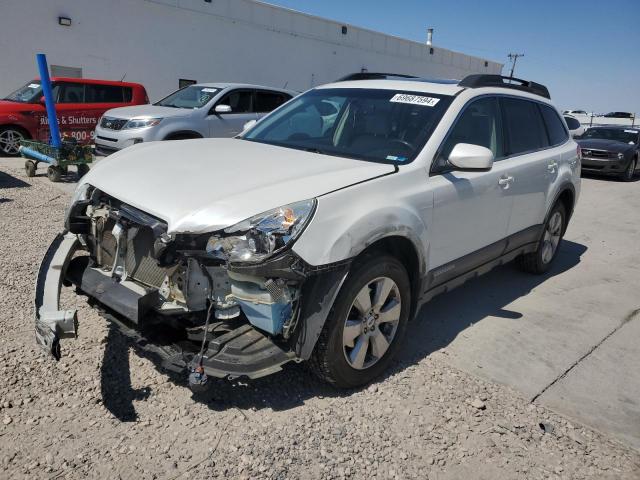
(156, 42)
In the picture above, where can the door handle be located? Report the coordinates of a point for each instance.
(552, 167)
(505, 182)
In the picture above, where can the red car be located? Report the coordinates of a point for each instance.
(80, 102)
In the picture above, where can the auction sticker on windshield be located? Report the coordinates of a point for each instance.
(414, 100)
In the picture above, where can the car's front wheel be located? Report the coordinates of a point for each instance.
(10, 138)
(630, 172)
(366, 324)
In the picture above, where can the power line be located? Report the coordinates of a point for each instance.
(514, 58)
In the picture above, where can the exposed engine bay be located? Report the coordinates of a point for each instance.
(246, 317)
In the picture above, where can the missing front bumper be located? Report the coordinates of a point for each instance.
(51, 323)
(240, 349)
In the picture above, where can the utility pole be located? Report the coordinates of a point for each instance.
(514, 58)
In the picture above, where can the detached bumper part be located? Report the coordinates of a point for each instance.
(51, 323)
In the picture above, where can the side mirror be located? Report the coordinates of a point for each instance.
(249, 125)
(466, 156)
(41, 100)
(222, 109)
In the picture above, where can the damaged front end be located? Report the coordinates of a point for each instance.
(236, 302)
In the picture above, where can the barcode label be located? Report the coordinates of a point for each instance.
(414, 100)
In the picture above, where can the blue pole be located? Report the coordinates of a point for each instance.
(48, 99)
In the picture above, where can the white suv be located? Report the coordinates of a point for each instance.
(319, 234)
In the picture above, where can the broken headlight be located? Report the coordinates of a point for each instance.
(262, 236)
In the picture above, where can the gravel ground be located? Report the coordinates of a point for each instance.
(105, 411)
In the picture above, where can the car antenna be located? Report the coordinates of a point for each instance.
(122, 79)
(285, 84)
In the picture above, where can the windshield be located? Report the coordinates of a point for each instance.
(617, 134)
(386, 126)
(193, 96)
(31, 92)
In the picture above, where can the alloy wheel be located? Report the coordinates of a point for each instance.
(10, 141)
(552, 235)
(371, 323)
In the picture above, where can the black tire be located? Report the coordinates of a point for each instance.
(328, 360)
(54, 173)
(30, 167)
(535, 262)
(83, 169)
(630, 172)
(10, 138)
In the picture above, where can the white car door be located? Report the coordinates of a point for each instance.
(471, 208)
(229, 124)
(531, 163)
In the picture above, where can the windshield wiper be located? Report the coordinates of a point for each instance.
(314, 150)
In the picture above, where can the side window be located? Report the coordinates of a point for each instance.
(479, 124)
(103, 94)
(71, 93)
(555, 128)
(523, 125)
(268, 101)
(127, 94)
(572, 123)
(238, 100)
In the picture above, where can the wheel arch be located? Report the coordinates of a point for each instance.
(406, 251)
(567, 195)
(17, 126)
(183, 135)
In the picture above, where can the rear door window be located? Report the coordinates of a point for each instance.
(524, 127)
(104, 94)
(268, 101)
(71, 93)
(240, 101)
(555, 128)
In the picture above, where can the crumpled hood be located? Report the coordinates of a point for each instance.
(152, 111)
(603, 144)
(204, 185)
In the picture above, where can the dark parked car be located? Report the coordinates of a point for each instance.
(611, 151)
(619, 115)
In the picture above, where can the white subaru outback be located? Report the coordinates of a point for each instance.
(319, 234)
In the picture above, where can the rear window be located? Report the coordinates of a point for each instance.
(555, 128)
(524, 125)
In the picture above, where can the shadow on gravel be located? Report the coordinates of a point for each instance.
(115, 378)
(9, 181)
(437, 324)
(70, 177)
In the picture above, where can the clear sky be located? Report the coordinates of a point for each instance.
(586, 51)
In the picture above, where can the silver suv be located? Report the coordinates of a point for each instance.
(197, 111)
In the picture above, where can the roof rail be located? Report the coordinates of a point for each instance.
(480, 80)
(374, 76)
